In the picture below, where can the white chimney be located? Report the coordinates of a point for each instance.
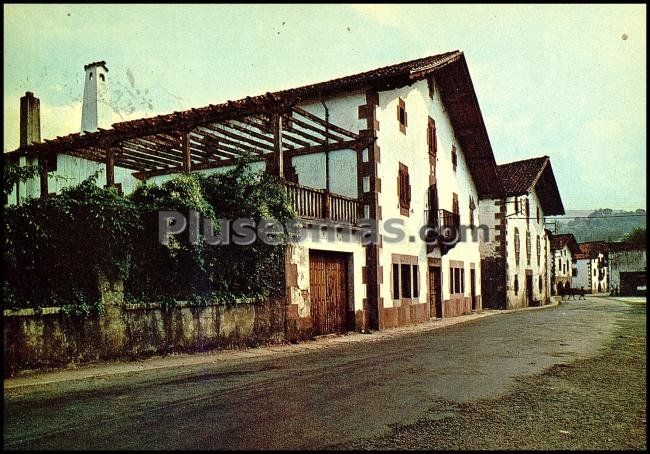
(95, 111)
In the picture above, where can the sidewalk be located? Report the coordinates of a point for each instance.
(29, 379)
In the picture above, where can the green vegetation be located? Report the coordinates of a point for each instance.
(603, 225)
(56, 248)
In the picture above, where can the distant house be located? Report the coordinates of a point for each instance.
(514, 261)
(627, 268)
(404, 142)
(564, 248)
(592, 269)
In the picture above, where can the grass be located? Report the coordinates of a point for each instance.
(594, 403)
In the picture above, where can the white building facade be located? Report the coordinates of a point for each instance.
(515, 261)
(398, 147)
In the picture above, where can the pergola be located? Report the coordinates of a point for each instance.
(266, 126)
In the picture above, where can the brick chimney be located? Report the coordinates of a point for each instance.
(30, 119)
(95, 110)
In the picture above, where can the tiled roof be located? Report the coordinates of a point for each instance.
(559, 240)
(519, 177)
(591, 249)
(451, 72)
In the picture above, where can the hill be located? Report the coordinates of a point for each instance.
(603, 224)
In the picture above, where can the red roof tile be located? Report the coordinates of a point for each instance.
(521, 177)
(559, 240)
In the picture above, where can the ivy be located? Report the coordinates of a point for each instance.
(56, 248)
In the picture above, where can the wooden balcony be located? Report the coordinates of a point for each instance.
(447, 226)
(312, 203)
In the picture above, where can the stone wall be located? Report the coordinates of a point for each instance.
(126, 331)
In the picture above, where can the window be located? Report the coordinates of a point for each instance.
(538, 215)
(90, 76)
(456, 280)
(404, 187)
(539, 281)
(528, 247)
(416, 281)
(516, 285)
(101, 77)
(405, 277)
(401, 115)
(516, 204)
(454, 203)
(472, 207)
(539, 251)
(431, 137)
(395, 281)
(454, 157)
(517, 246)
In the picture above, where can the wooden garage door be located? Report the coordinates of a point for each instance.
(328, 288)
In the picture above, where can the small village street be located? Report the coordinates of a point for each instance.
(361, 394)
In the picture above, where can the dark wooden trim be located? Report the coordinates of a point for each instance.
(110, 167)
(278, 153)
(42, 169)
(322, 122)
(187, 156)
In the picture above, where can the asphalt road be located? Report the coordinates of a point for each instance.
(308, 400)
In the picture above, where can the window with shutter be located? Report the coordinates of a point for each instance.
(431, 137)
(517, 246)
(404, 188)
(401, 115)
(454, 157)
(472, 207)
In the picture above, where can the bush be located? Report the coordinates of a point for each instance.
(56, 248)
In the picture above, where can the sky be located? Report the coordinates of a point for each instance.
(567, 81)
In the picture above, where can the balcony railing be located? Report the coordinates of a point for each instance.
(447, 226)
(312, 203)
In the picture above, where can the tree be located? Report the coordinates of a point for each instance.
(636, 236)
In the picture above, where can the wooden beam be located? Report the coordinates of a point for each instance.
(219, 130)
(349, 144)
(145, 163)
(187, 156)
(306, 135)
(161, 160)
(277, 145)
(130, 164)
(42, 168)
(316, 119)
(295, 140)
(325, 133)
(110, 167)
(201, 166)
(250, 131)
(244, 146)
